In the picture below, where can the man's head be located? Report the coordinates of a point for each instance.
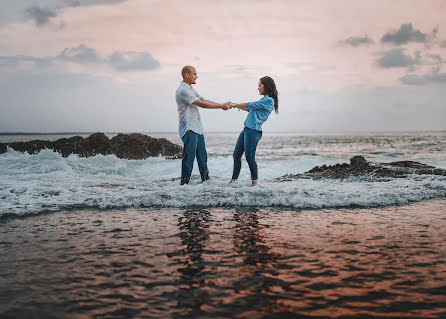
(189, 74)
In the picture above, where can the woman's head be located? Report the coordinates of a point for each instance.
(268, 87)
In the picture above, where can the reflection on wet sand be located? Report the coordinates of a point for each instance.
(317, 269)
(255, 280)
(226, 263)
(193, 233)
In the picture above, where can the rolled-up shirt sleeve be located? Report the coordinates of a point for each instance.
(262, 104)
(188, 96)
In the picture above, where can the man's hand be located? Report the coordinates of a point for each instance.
(226, 106)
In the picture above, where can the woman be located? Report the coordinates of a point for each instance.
(258, 113)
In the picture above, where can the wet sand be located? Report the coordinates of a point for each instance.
(226, 263)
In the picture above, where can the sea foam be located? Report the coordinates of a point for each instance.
(47, 181)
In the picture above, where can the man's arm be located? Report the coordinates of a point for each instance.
(211, 105)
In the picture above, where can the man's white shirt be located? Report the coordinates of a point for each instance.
(188, 113)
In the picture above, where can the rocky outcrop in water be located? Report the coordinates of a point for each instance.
(129, 146)
(360, 167)
(139, 146)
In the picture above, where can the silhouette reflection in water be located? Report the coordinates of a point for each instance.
(255, 288)
(193, 234)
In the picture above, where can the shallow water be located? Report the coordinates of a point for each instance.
(35, 183)
(225, 263)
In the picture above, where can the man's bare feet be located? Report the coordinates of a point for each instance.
(254, 182)
(232, 181)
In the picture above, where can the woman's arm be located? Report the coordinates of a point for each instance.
(241, 106)
(262, 104)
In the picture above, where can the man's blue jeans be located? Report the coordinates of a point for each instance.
(247, 142)
(194, 146)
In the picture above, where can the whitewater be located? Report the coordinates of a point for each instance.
(46, 181)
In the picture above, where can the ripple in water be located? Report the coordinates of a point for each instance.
(226, 263)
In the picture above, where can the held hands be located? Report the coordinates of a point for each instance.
(227, 106)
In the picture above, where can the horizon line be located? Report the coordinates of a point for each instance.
(213, 132)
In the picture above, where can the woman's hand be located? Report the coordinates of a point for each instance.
(226, 106)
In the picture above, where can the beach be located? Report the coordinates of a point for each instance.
(225, 263)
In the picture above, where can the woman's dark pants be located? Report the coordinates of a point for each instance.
(246, 142)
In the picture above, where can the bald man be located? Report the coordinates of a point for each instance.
(190, 127)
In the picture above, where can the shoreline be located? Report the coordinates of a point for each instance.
(5, 216)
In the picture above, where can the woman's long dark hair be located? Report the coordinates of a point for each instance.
(271, 91)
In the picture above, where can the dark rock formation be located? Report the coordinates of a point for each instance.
(358, 161)
(31, 147)
(3, 148)
(66, 146)
(130, 146)
(139, 146)
(360, 167)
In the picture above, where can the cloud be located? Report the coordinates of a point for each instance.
(413, 79)
(396, 58)
(49, 9)
(406, 34)
(121, 61)
(40, 16)
(435, 57)
(18, 60)
(79, 3)
(13, 61)
(133, 61)
(434, 32)
(436, 77)
(357, 41)
(80, 54)
(432, 77)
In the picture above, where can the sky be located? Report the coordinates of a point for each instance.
(114, 65)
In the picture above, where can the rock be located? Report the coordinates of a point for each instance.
(129, 146)
(3, 148)
(139, 146)
(409, 164)
(358, 161)
(68, 146)
(32, 147)
(96, 143)
(360, 167)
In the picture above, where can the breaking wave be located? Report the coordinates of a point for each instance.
(47, 181)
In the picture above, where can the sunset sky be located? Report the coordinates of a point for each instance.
(114, 65)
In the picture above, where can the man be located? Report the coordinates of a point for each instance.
(190, 127)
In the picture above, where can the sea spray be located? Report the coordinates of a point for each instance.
(35, 183)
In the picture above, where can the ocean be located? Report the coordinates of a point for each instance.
(48, 182)
(104, 237)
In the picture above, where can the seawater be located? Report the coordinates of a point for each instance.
(46, 181)
(129, 242)
(226, 263)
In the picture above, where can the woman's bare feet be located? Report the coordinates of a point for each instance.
(254, 182)
(232, 181)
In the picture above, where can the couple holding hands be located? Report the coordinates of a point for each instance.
(191, 129)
